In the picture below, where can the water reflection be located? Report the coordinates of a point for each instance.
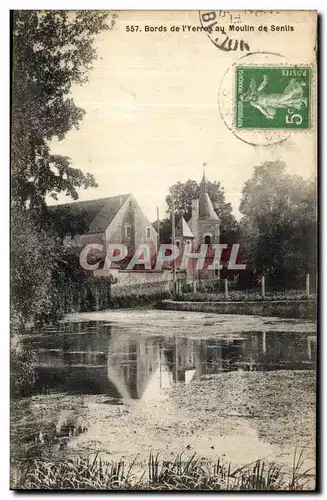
(97, 357)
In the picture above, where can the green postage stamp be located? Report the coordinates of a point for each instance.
(273, 97)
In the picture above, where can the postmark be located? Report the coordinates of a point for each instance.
(276, 97)
(236, 31)
(262, 135)
(214, 23)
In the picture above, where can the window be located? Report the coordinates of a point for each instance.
(128, 231)
(148, 232)
(207, 239)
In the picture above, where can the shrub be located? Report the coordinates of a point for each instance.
(135, 300)
(21, 370)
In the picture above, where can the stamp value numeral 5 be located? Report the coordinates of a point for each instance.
(293, 119)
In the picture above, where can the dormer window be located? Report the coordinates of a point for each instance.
(128, 231)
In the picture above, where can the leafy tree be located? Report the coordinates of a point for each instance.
(164, 230)
(185, 192)
(52, 50)
(279, 224)
(63, 222)
(41, 271)
(34, 258)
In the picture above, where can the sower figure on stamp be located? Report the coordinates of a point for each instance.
(292, 97)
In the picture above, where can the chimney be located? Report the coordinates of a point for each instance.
(120, 199)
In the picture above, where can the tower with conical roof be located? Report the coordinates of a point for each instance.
(206, 210)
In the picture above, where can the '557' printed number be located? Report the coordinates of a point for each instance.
(132, 28)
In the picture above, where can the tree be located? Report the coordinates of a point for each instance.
(164, 230)
(40, 270)
(52, 50)
(33, 260)
(185, 192)
(279, 224)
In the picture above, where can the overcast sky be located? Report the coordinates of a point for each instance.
(152, 115)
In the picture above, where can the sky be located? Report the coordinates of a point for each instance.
(152, 116)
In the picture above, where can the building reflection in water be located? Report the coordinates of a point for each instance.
(100, 358)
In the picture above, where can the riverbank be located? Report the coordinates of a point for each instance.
(242, 416)
(127, 383)
(297, 309)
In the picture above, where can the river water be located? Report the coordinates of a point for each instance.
(121, 353)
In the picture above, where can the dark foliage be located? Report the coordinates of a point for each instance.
(279, 225)
(52, 50)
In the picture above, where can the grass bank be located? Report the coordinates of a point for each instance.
(182, 473)
(245, 296)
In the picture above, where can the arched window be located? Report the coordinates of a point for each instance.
(207, 239)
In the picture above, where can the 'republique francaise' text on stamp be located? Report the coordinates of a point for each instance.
(276, 97)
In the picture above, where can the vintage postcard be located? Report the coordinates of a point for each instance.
(163, 250)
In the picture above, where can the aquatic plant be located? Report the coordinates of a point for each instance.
(183, 473)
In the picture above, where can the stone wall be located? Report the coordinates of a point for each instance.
(305, 309)
(142, 283)
(207, 227)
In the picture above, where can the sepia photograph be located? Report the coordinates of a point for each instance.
(163, 250)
